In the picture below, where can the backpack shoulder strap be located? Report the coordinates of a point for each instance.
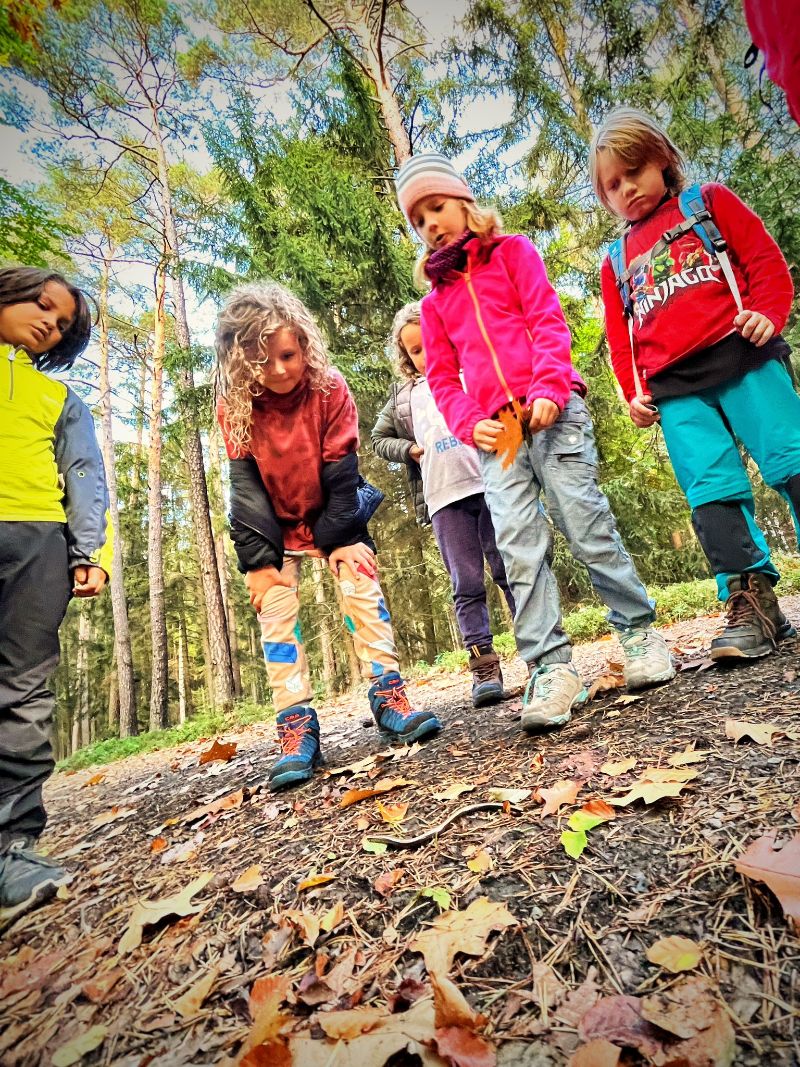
(616, 254)
(693, 208)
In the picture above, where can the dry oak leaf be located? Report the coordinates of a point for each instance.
(450, 1005)
(229, 801)
(779, 869)
(760, 732)
(689, 755)
(220, 750)
(383, 785)
(150, 912)
(188, 1006)
(385, 883)
(463, 1048)
(693, 1013)
(675, 954)
(615, 768)
(266, 996)
(411, 1031)
(461, 931)
(454, 791)
(305, 921)
(249, 880)
(345, 1025)
(80, 1046)
(105, 817)
(563, 792)
(619, 1019)
(604, 684)
(598, 1053)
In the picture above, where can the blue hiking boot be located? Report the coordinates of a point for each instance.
(393, 712)
(298, 734)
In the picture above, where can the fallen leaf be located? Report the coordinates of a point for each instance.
(80, 1046)
(454, 791)
(226, 803)
(598, 1053)
(649, 792)
(692, 1012)
(509, 796)
(537, 762)
(615, 769)
(358, 767)
(619, 1020)
(97, 989)
(563, 792)
(392, 813)
(668, 774)
(604, 684)
(464, 1048)
(386, 882)
(761, 733)
(345, 1025)
(377, 848)
(158, 844)
(599, 807)
(461, 931)
(779, 869)
(384, 785)
(574, 842)
(410, 1032)
(149, 912)
(188, 1006)
(675, 954)
(689, 755)
(96, 779)
(450, 1005)
(306, 922)
(439, 895)
(481, 862)
(105, 817)
(266, 996)
(220, 750)
(314, 880)
(249, 880)
(332, 917)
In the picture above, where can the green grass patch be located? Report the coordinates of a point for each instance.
(204, 724)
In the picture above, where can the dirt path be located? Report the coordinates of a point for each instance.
(145, 828)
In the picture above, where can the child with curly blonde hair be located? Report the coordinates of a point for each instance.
(447, 486)
(291, 431)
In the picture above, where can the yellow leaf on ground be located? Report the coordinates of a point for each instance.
(150, 912)
(615, 769)
(668, 774)
(450, 1004)
(461, 931)
(80, 1046)
(649, 792)
(760, 732)
(249, 880)
(392, 813)
(378, 1038)
(779, 869)
(332, 917)
(105, 817)
(345, 1025)
(454, 791)
(189, 1005)
(675, 954)
(314, 880)
(689, 755)
(563, 792)
(96, 779)
(306, 922)
(480, 863)
(511, 796)
(384, 785)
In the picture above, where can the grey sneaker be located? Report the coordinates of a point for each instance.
(645, 657)
(553, 690)
(26, 881)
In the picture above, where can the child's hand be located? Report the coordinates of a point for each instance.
(642, 411)
(261, 581)
(486, 433)
(358, 557)
(416, 452)
(543, 414)
(754, 327)
(88, 581)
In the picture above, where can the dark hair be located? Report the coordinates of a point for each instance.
(18, 285)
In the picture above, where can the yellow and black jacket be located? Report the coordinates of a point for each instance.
(51, 469)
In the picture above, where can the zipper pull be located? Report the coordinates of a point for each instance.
(12, 355)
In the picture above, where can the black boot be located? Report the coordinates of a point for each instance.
(487, 678)
(749, 631)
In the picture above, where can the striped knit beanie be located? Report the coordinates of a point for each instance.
(428, 174)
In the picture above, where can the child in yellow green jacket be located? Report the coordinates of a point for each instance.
(55, 543)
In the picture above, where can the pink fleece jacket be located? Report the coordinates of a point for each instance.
(499, 323)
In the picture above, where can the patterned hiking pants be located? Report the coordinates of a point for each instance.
(365, 616)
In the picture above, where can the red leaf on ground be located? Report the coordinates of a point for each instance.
(385, 883)
(619, 1020)
(462, 1048)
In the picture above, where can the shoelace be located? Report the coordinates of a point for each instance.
(291, 733)
(485, 672)
(742, 605)
(396, 699)
(634, 644)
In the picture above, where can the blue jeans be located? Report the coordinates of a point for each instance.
(465, 536)
(562, 461)
(762, 410)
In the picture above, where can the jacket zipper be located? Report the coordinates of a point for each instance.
(12, 355)
(498, 371)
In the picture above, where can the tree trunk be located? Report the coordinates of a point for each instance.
(155, 561)
(123, 654)
(255, 666)
(218, 639)
(215, 486)
(372, 62)
(113, 702)
(80, 724)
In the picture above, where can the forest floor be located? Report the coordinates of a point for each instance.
(209, 921)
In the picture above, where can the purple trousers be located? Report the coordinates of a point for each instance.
(465, 536)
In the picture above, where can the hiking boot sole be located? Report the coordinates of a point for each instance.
(492, 694)
(43, 892)
(724, 652)
(425, 729)
(658, 679)
(295, 777)
(534, 722)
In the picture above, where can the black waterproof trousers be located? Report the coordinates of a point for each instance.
(35, 589)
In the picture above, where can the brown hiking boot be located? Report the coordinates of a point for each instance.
(765, 591)
(487, 678)
(750, 629)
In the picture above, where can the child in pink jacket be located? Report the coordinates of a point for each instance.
(500, 370)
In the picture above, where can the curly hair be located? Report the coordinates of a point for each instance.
(635, 138)
(484, 222)
(248, 318)
(410, 313)
(20, 285)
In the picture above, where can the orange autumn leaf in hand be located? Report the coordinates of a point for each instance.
(514, 420)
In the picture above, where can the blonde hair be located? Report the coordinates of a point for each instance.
(248, 318)
(410, 313)
(484, 222)
(635, 138)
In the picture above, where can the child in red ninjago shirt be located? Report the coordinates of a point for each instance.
(705, 361)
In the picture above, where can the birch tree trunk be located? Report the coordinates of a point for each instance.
(80, 723)
(158, 620)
